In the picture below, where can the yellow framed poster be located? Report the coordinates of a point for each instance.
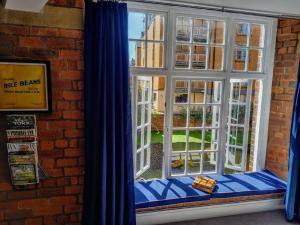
(25, 85)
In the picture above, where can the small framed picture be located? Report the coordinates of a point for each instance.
(25, 86)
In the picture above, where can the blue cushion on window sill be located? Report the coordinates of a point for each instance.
(179, 190)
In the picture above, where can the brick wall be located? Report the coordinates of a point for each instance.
(58, 200)
(284, 83)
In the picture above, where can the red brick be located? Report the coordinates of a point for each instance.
(35, 42)
(60, 43)
(72, 95)
(72, 133)
(12, 29)
(62, 105)
(63, 200)
(73, 189)
(73, 152)
(72, 75)
(77, 34)
(39, 31)
(34, 221)
(46, 145)
(21, 194)
(67, 162)
(70, 54)
(73, 171)
(62, 124)
(61, 143)
(72, 115)
(72, 208)
(18, 214)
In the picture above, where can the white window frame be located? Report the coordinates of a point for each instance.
(265, 76)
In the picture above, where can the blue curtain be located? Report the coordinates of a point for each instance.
(109, 180)
(292, 201)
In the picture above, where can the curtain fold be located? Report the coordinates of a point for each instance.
(292, 201)
(109, 180)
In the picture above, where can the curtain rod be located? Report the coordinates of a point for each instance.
(219, 8)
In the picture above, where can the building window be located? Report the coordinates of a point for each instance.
(205, 110)
(146, 40)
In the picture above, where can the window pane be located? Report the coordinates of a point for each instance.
(196, 116)
(239, 91)
(217, 32)
(194, 160)
(213, 93)
(215, 61)
(200, 31)
(212, 116)
(155, 27)
(211, 140)
(139, 115)
(238, 114)
(146, 136)
(146, 153)
(138, 138)
(137, 53)
(178, 164)
(199, 57)
(195, 140)
(183, 29)
(257, 35)
(179, 140)
(136, 28)
(138, 161)
(236, 136)
(140, 90)
(239, 59)
(146, 114)
(155, 55)
(181, 91)
(179, 116)
(197, 91)
(242, 34)
(255, 60)
(209, 162)
(182, 56)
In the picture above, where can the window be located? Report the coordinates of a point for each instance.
(146, 40)
(199, 43)
(203, 110)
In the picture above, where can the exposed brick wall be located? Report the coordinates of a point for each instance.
(284, 83)
(58, 200)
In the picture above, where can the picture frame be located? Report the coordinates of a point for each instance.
(25, 86)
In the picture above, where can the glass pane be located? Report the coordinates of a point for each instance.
(215, 61)
(235, 156)
(146, 114)
(138, 161)
(257, 35)
(194, 160)
(146, 90)
(212, 116)
(242, 33)
(179, 140)
(145, 136)
(179, 116)
(136, 28)
(199, 57)
(197, 91)
(238, 114)
(236, 135)
(196, 116)
(213, 93)
(140, 86)
(155, 27)
(239, 91)
(217, 32)
(183, 29)
(178, 164)
(138, 138)
(195, 139)
(200, 31)
(211, 140)
(139, 115)
(209, 162)
(255, 60)
(182, 56)
(137, 53)
(181, 91)
(239, 59)
(146, 152)
(155, 55)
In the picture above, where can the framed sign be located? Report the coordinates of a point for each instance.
(25, 86)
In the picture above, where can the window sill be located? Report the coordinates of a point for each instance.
(178, 192)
